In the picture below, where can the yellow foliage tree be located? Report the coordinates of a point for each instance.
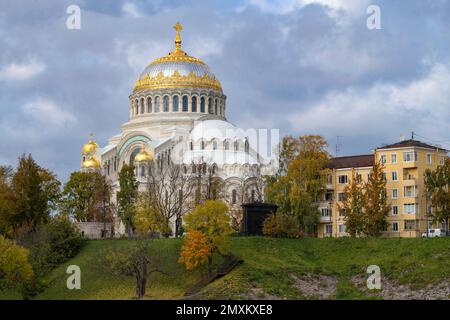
(196, 250)
(15, 270)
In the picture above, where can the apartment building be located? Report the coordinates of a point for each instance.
(404, 163)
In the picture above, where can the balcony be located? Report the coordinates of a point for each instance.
(410, 164)
(325, 219)
(409, 182)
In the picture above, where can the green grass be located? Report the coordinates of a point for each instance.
(267, 265)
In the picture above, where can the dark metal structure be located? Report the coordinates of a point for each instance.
(254, 215)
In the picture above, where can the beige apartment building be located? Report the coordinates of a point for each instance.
(404, 163)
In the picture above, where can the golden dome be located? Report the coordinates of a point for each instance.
(90, 146)
(91, 162)
(143, 155)
(177, 70)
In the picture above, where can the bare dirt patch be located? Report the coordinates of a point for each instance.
(393, 291)
(315, 286)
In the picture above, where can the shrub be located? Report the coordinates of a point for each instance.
(196, 250)
(282, 226)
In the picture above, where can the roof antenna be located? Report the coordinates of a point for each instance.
(412, 135)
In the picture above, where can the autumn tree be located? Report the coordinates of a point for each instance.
(127, 197)
(36, 192)
(15, 270)
(7, 203)
(281, 225)
(196, 251)
(212, 220)
(353, 205)
(299, 183)
(437, 184)
(376, 208)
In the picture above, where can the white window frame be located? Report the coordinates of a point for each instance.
(342, 175)
(395, 223)
(394, 210)
(396, 193)
(342, 228)
(407, 208)
(429, 158)
(393, 158)
(394, 173)
(407, 158)
(383, 159)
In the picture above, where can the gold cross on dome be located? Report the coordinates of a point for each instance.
(178, 27)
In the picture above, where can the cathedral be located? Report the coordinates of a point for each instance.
(177, 114)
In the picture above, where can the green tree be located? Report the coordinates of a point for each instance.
(127, 196)
(376, 208)
(437, 184)
(296, 190)
(78, 196)
(212, 220)
(15, 270)
(353, 205)
(36, 190)
(281, 225)
(7, 203)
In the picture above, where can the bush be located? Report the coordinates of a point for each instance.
(282, 226)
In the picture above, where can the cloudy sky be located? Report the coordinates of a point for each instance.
(304, 66)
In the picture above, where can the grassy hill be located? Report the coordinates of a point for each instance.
(277, 269)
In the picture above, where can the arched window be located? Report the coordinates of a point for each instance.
(226, 145)
(191, 145)
(202, 104)
(194, 104)
(184, 169)
(236, 145)
(214, 169)
(194, 168)
(166, 104)
(253, 195)
(142, 106)
(185, 103)
(133, 155)
(210, 106)
(214, 145)
(136, 107)
(149, 105)
(156, 104)
(202, 145)
(204, 168)
(175, 103)
(233, 196)
(247, 146)
(142, 173)
(215, 107)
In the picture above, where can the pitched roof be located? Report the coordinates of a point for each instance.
(411, 143)
(360, 161)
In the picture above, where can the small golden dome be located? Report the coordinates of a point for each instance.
(90, 146)
(91, 162)
(143, 156)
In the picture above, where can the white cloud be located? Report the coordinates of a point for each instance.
(356, 7)
(47, 112)
(384, 109)
(18, 72)
(131, 10)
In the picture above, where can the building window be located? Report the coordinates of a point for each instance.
(329, 179)
(191, 145)
(185, 104)
(342, 228)
(233, 196)
(202, 104)
(247, 146)
(410, 225)
(429, 159)
(214, 145)
(215, 106)
(202, 145)
(194, 168)
(175, 103)
(394, 193)
(236, 145)
(194, 104)
(149, 105)
(383, 159)
(342, 212)
(342, 179)
(394, 158)
(410, 156)
(142, 171)
(210, 106)
(156, 104)
(226, 145)
(394, 175)
(166, 104)
(410, 208)
(326, 212)
(341, 196)
(329, 229)
(329, 196)
(410, 191)
(395, 226)
(394, 210)
(442, 161)
(253, 196)
(142, 106)
(136, 107)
